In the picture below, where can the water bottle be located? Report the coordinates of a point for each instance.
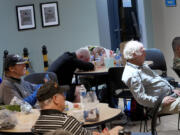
(46, 78)
(97, 59)
(121, 132)
(82, 94)
(117, 58)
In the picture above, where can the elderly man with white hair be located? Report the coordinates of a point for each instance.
(146, 85)
(65, 65)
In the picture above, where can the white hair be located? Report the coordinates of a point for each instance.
(132, 47)
(83, 52)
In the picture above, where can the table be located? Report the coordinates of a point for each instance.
(97, 72)
(107, 114)
(99, 76)
(26, 121)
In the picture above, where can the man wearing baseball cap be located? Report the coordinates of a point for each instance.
(52, 102)
(12, 84)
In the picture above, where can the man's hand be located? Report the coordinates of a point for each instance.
(96, 133)
(177, 92)
(167, 100)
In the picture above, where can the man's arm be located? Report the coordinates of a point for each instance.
(86, 66)
(31, 99)
(8, 94)
(75, 127)
(137, 89)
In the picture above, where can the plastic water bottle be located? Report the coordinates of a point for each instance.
(97, 59)
(46, 78)
(117, 58)
(82, 94)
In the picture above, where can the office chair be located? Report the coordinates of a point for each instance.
(177, 71)
(116, 85)
(159, 63)
(38, 78)
(117, 88)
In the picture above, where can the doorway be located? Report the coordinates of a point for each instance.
(123, 22)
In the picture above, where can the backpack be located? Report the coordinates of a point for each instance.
(136, 111)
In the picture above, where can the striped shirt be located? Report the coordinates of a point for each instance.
(50, 120)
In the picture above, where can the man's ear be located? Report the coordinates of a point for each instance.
(178, 48)
(11, 69)
(55, 101)
(134, 55)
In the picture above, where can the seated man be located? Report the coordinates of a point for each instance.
(146, 85)
(65, 65)
(52, 102)
(176, 50)
(12, 84)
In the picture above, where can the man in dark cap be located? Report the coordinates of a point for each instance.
(12, 84)
(52, 102)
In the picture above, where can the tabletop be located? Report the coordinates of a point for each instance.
(106, 114)
(26, 121)
(98, 70)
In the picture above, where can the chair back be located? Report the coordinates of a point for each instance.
(159, 63)
(115, 84)
(177, 71)
(38, 78)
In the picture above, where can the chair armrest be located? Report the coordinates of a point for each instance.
(155, 114)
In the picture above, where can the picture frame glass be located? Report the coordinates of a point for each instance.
(49, 12)
(25, 16)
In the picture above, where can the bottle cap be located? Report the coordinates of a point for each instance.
(121, 132)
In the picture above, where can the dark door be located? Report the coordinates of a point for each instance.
(114, 24)
(123, 22)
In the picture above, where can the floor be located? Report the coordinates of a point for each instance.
(167, 126)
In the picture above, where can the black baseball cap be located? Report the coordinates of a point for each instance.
(12, 60)
(49, 89)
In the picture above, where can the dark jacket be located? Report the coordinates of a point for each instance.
(11, 87)
(65, 65)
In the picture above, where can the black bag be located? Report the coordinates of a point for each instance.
(137, 111)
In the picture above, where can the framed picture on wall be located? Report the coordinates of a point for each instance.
(25, 17)
(49, 14)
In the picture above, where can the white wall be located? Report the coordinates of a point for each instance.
(78, 27)
(166, 22)
(103, 23)
(145, 22)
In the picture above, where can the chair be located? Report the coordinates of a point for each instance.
(38, 78)
(115, 83)
(117, 88)
(177, 71)
(159, 63)
(154, 114)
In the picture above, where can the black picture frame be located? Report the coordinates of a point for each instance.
(25, 17)
(49, 14)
